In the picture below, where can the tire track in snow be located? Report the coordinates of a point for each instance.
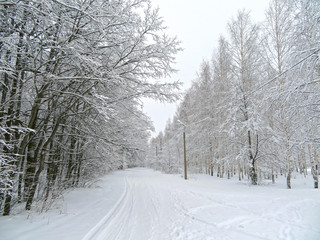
(153, 212)
(101, 225)
(226, 225)
(247, 219)
(121, 221)
(136, 209)
(237, 223)
(121, 224)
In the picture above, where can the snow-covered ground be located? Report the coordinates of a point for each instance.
(143, 204)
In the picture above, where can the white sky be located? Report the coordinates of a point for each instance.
(198, 25)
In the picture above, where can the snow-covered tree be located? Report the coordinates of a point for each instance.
(254, 107)
(244, 49)
(72, 74)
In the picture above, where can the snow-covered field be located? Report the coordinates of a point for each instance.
(143, 204)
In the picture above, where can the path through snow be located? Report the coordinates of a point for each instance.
(141, 204)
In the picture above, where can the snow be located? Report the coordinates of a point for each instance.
(143, 204)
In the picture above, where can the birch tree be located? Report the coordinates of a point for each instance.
(245, 63)
(306, 79)
(277, 45)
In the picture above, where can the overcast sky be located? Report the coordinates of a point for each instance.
(198, 25)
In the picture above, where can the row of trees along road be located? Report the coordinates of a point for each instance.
(72, 76)
(253, 110)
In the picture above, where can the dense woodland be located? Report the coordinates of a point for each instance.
(253, 110)
(73, 73)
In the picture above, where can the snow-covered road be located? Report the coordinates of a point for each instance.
(141, 204)
(136, 215)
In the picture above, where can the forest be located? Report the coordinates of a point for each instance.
(253, 110)
(72, 76)
(74, 73)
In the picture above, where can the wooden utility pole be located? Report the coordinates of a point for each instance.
(184, 144)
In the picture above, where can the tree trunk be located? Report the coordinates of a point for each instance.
(43, 152)
(314, 166)
(31, 166)
(316, 177)
(289, 180)
(272, 176)
(253, 174)
(7, 203)
(33, 188)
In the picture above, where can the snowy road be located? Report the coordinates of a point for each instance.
(135, 214)
(141, 204)
(156, 206)
(144, 210)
